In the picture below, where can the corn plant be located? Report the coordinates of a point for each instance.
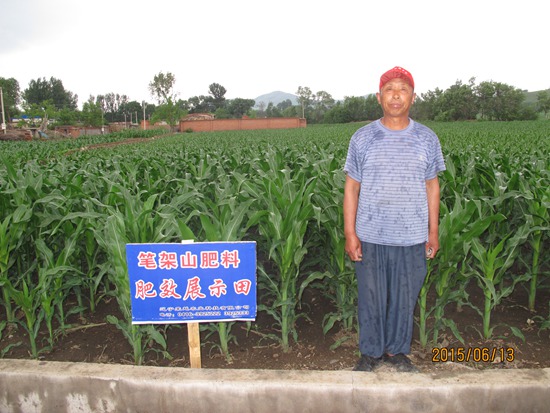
(57, 278)
(11, 231)
(223, 218)
(52, 191)
(87, 248)
(286, 200)
(114, 239)
(490, 266)
(27, 298)
(458, 228)
(338, 282)
(133, 220)
(539, 219)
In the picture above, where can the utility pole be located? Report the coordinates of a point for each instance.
(3, 115)
(144, 124)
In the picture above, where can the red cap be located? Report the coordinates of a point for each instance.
(394, 73)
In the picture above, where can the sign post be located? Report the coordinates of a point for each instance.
(3, 113)
(192, 283)
(194, 343)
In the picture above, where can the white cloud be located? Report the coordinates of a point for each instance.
(252, 48)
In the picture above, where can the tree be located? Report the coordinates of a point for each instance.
(239, 107)
(543, 102)
(272, 111)
(284, 104)
(11, 95)
(91, 114)
(217, 92)
(201, 104)
(354, 109)
(373, 110)
(222, 113)
(499, 101)
(458, 102)
(132, 109)
(45, 110)
(261, 108)
(66, 117)
(40, 90)
(168, 112)
(305, 96)
(161, 88)
(291, 111)
(62, 98)
(337, 114)
(322, 102)
(425, 107)
(113, 106)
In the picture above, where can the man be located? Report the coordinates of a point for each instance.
(391, 218)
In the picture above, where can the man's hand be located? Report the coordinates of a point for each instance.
(432, 246)
(351, 200)
(432, 193)
(353, 248)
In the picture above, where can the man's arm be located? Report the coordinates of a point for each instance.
(432, 192)
(351, 201)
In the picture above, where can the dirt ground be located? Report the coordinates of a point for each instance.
(92, 339)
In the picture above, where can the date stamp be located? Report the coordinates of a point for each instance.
(475, 354)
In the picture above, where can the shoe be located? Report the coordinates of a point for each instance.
(401, 363)
(367, 363)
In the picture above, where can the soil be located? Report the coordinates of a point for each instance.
(92, 339)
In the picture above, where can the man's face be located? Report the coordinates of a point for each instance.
(396, 98)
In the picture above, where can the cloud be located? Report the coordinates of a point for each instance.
(252, 48)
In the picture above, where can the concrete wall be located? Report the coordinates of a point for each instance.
(39, 386)
(241, 124)
(147, 125)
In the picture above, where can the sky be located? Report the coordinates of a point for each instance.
(254, 47)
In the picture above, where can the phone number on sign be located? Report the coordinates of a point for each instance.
(476, 354)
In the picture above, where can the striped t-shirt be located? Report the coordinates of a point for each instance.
(393, 167)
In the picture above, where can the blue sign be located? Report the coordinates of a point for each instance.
(206, 281)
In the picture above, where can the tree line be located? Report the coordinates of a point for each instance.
(486, 101)
(49, 98)
(43, 97)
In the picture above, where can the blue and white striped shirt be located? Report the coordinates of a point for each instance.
(393, 167)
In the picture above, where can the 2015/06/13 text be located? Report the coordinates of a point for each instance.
(475, 354)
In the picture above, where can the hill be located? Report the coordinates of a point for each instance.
(276, 98)
(532, 97)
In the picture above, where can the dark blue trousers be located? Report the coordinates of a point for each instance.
(389, 279)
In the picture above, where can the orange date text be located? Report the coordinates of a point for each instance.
(475, 354)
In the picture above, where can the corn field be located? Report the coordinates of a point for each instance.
(67, 210)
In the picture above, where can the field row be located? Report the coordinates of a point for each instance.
(67, 210)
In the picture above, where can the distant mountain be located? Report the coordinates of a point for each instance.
(532, 97)
(276, 98)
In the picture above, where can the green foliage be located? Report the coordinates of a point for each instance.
(487, 101)
(354, 109)
(91, 114)
(543, 101)
(40, 90)
(168, 112)
(238, 107)
(66, 215)
(11, 95)
(161, 87)
(217, 92)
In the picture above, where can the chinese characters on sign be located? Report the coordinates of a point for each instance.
(210, 281)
